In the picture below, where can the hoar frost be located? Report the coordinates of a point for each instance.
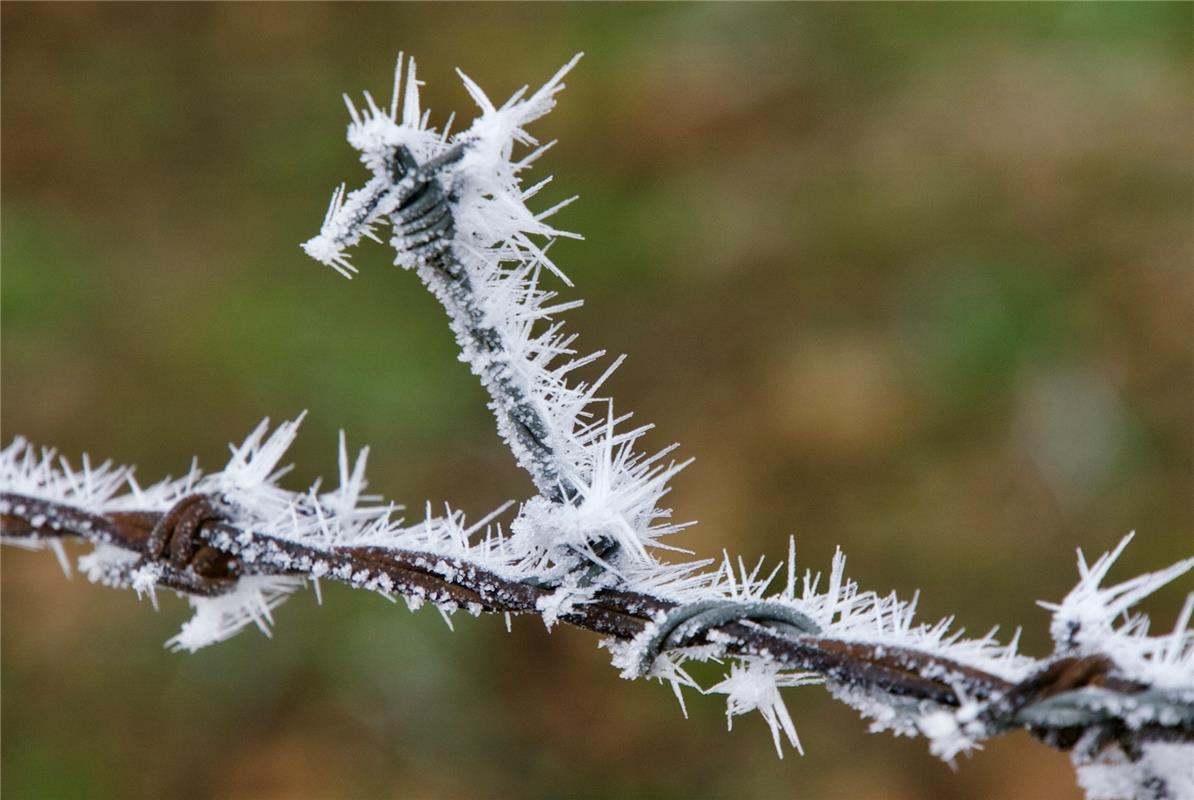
(597, 519)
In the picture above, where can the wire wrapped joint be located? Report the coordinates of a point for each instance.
(687, 624)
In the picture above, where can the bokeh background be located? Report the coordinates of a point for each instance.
(912, 280)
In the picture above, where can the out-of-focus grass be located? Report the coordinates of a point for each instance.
(914, 280)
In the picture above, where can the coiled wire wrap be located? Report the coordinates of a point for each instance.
(686, 623)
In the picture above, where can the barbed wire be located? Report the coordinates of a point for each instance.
(1066, 701)
(1078, 701)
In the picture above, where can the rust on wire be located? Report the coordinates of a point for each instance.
(192, 546)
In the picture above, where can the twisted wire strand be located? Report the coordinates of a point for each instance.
(686, 623)
(1091, 705)
(431, 245)
(425, 230)
(1066, 699)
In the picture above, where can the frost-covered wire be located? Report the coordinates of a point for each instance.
(585, 550)
(458, 215)
(910, 678)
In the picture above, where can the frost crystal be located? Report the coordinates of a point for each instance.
(457, 213)
(952, 732)
(218, 618)
(1093, 619)
(1163, 771)
(753, 685)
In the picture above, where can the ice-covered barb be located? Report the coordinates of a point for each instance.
(1097, 619)
(404, 153)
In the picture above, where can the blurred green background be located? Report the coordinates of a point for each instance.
(912, 280)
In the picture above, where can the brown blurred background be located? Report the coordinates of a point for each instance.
(912, 280)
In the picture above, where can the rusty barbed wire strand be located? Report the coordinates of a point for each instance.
(1069, 700)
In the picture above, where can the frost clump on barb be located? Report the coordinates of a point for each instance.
(489, 202)
(1096, 621)
(1093, 619)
